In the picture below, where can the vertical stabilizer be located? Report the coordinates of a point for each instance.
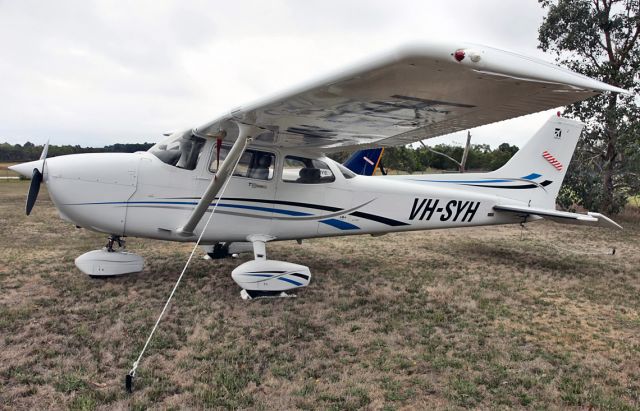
(364, 162)
(542, 161)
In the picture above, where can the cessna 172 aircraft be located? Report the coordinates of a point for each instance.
(262, 169)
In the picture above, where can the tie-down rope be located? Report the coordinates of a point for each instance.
(132, 372)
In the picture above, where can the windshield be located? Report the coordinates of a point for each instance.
(180, 150)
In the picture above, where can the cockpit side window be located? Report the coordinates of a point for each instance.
(252, 164)
(182, 150)
(306, 171)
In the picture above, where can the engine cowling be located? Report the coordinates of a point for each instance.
(271, 275)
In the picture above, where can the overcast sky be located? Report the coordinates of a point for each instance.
(98, 72)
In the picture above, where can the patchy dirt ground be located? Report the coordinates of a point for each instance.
(483, 317)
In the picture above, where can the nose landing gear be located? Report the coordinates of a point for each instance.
(110, 261)
(115, 239)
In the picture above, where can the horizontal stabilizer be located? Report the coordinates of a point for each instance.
(563, 217)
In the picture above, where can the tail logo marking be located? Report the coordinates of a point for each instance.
(557, 134)
(552, 160)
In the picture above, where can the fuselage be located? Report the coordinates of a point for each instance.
(143, 196)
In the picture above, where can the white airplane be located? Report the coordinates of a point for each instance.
(283, 186)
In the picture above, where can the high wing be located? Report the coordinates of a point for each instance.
(414, 93)
(563, 217)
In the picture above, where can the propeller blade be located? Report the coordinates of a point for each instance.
(34, 189)
(36, 180)
(43, 155)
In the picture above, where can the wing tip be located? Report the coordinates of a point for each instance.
(511, 63)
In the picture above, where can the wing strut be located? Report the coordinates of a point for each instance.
(222, 174)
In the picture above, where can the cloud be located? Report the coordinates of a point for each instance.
(98, 72)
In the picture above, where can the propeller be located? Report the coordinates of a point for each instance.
(36, 180)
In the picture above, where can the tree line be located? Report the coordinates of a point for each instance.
(480, 158)
(403, 159)
(16, 153)
(406, 159)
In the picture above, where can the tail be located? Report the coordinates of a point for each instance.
(364, 162)
(536, 171)
(543, 161)
(533, 176)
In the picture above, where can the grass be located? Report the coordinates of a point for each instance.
(471, 318)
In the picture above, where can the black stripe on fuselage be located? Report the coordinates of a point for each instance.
(367, 216)
(258, 200)
(379, 219)
(543, 184)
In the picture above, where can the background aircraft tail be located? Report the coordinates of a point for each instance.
(364, 162)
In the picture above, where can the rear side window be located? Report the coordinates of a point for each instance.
(306, 171)
(252, 164)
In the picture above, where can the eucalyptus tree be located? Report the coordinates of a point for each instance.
(599, 38)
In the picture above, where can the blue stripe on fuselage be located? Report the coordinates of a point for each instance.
(531, 176)
(341, 225)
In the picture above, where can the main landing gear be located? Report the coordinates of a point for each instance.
(226, 250)
(111, 260)
(262, 278)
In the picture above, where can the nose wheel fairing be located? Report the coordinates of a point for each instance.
(112, 260)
